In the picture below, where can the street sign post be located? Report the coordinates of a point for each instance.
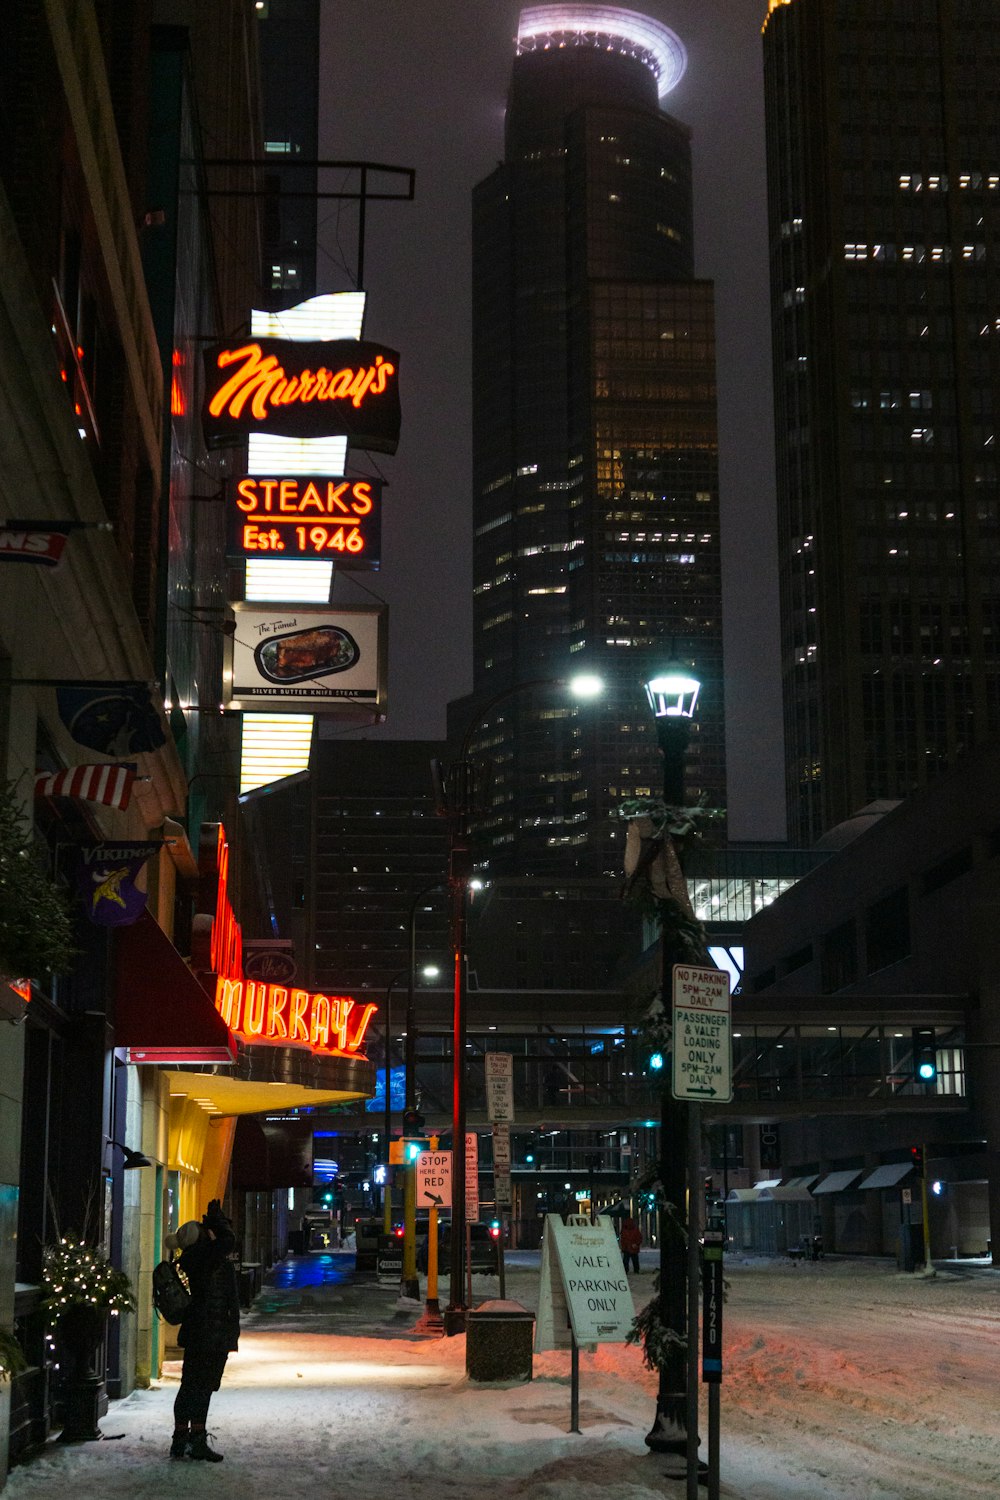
(499, 1087)
(434, 1179)
(703, 1048)
(711, 1343)
(471, 1177)
(583, 1295)
(712, 1296)
(501, 1165)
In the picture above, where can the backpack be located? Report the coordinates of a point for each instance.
(171, 1297)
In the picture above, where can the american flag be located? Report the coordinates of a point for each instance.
(110, 784)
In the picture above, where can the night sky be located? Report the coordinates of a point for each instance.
(422, 83)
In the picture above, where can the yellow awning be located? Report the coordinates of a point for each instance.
(222, 1094)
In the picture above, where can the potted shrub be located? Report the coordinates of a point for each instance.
(81, 1289)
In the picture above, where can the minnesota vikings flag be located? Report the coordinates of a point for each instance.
(115, 718)
(42, 544)
(108, 784)
(105, 881)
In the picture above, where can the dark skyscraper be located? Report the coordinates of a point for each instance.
(289, 48)
(596, 516)
(883, 122)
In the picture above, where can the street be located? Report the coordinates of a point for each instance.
(843, 1381)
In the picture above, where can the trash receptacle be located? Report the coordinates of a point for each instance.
(366, 1237)
(499, 1337)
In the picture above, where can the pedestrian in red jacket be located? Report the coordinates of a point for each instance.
(630, 1240)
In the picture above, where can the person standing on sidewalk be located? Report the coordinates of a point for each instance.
(630, 1241)
(210, 1329)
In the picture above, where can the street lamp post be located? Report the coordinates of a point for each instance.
(387, 1188)
(408, 1058)
(459, 806)
(411, 1286)
(672, 697)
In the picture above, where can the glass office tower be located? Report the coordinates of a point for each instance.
(883, 139)
(596, 516)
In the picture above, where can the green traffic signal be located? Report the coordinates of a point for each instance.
(924, 1053)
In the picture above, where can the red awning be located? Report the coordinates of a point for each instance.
(162, 1014)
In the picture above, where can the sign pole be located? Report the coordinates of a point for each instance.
(693, 1278)
(574, 1387)
(432, 1261)
(501, 1259)
(711, 1345)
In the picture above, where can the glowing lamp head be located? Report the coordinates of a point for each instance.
(673, 693)
(656, 1062)
(586, 685)
(430, 971)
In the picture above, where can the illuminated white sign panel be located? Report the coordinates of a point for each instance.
(291, 658)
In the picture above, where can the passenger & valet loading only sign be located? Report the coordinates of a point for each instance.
(703, 1047)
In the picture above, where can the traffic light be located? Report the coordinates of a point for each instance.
(413, 1122)
(917, 1158)
(414, 1146)
(924, 1054)
(655, 1062)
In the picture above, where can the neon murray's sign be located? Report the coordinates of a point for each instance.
(259, 1012)
(274, 1013)
(303, 389)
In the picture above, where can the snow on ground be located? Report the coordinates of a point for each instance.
(843, 1381)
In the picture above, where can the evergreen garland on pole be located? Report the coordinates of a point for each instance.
(36, 929)
(655, 884)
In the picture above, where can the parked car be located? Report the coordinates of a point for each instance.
(484, 1242)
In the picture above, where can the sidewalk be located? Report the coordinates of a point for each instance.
(333, 1393)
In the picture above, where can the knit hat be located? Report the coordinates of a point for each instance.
(184, 1236)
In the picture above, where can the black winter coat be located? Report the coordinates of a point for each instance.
(212, 1323)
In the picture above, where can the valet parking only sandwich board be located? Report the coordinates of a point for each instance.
(584, 1296)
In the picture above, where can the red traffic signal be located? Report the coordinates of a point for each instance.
(917, 1158)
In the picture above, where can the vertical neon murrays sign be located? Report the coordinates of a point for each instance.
(334, 1025)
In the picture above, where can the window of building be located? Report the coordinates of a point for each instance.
(887, 930)
(839, 966)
